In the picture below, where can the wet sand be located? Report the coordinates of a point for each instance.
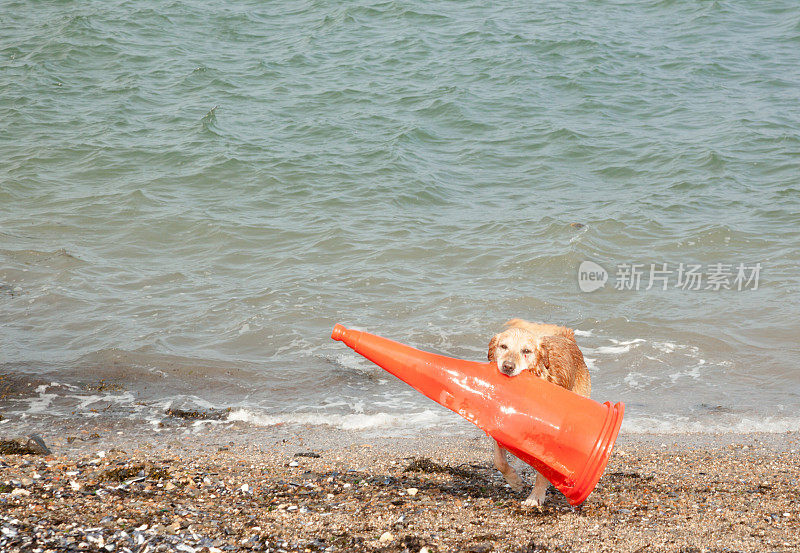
(240, 488)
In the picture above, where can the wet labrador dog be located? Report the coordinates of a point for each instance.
(550, 352)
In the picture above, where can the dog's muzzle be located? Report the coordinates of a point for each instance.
(507, 368)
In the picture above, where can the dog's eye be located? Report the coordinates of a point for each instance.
(526, 351)
(503, 346)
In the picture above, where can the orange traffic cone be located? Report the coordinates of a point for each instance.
(564, 436)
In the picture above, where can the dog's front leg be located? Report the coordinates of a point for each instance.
(508, 472)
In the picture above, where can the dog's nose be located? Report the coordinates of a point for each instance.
(508, 367)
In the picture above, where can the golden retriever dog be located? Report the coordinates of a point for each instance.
(551, 353)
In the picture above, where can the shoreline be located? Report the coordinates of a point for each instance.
(245, 488)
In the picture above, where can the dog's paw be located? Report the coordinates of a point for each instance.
(515, 482)
(513, 479)
(517, 488)
(535, 500)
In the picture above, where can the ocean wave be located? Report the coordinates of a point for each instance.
(435, 419)
(349, 421)
(619, 347)
(728, 425)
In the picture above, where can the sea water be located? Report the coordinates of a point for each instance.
(192, 194)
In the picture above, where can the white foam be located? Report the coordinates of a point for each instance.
(640, 381)
(349, 421)
(619, 346)
(666, 347)
(351, 362)
(628, 342)
(613, 350)
(86, 401)
(691, 372)
(41, 403)
(671, 347)
(729, 425)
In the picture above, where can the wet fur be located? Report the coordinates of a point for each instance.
(550, 352)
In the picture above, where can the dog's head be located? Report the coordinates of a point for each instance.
(516, 350)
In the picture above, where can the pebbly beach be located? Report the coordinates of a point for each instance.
(235, 487)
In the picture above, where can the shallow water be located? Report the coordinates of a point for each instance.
(190, 199)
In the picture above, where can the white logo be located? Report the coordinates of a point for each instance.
(591, 276)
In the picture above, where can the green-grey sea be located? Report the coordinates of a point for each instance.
(193, 193)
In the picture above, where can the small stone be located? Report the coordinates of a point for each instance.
(20, 492)
(294, 464)
(30, 445)
(245, 488)
(412, 491)
(75, 485)
(386, 537)
(310, 454)
(169, 486)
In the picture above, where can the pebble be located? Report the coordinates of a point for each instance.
(32, 444)
(412, 491)
(386, 537)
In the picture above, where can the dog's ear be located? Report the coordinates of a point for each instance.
(492, 347)
(541, 355)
